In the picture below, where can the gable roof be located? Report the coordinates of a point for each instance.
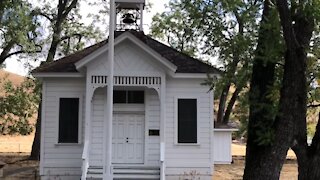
(184, 63)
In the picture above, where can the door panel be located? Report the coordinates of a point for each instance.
(128, 138)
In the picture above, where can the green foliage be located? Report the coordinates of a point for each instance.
(71, 33)
(18, 29)
(210, 29)
(265, 136)
(18, 104)
(177, 28)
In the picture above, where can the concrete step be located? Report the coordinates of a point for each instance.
(126, 172)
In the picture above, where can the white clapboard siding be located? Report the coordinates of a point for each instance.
(98, 108)
(58, 155)
(222, 146)
(196, 157)
(138, 62)
(153, 122)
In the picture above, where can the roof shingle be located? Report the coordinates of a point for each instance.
(184, 63)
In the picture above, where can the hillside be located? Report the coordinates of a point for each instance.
(14, 78)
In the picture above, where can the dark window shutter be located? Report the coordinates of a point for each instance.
(68, 120)
(187, 120)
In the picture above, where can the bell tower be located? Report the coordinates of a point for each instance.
(129, 14)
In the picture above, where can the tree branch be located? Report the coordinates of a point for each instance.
(23, 51)
(6, 51)
(286, 22)
(69, 8)
(38, 12)
(70, 36)
(315, 140)
(313, 106)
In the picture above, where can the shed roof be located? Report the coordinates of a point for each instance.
(184, 63)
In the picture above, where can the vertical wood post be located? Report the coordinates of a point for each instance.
(162, 126)
(107, 165)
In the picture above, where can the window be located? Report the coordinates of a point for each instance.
(128, 97)
(68, 120)
(187, 120)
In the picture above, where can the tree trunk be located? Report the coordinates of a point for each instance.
(297, 37)
(222, 103)
(35, 152)
(231, 103)
(261, 161)
(290, 123)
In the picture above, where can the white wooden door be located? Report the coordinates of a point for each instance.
(128, 138)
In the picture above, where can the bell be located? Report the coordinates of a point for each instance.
(128, 18)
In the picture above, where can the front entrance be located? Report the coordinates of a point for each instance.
(128, 138)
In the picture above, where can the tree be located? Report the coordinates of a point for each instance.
(298, 36)
(18, 103)
(223, 28)
(15, 40)
(262, 110)
(67, 35)
(288, 129)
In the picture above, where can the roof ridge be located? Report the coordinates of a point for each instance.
(184, 62)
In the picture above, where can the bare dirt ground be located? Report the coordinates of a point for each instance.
(234, 171)
(18, 168)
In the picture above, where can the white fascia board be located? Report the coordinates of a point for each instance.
(225, 129)
(191, 75)
(57, 74)
(122, 37)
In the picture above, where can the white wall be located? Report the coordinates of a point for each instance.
(182, 159)
(222, 146)
(97, 117)
(60, 159)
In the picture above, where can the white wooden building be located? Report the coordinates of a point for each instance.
(162, 117)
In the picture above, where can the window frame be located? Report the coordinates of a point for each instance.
(80, 97)
(176, 140)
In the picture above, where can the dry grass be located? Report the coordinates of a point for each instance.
(16, 144)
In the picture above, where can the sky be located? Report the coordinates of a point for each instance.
(13, 65)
